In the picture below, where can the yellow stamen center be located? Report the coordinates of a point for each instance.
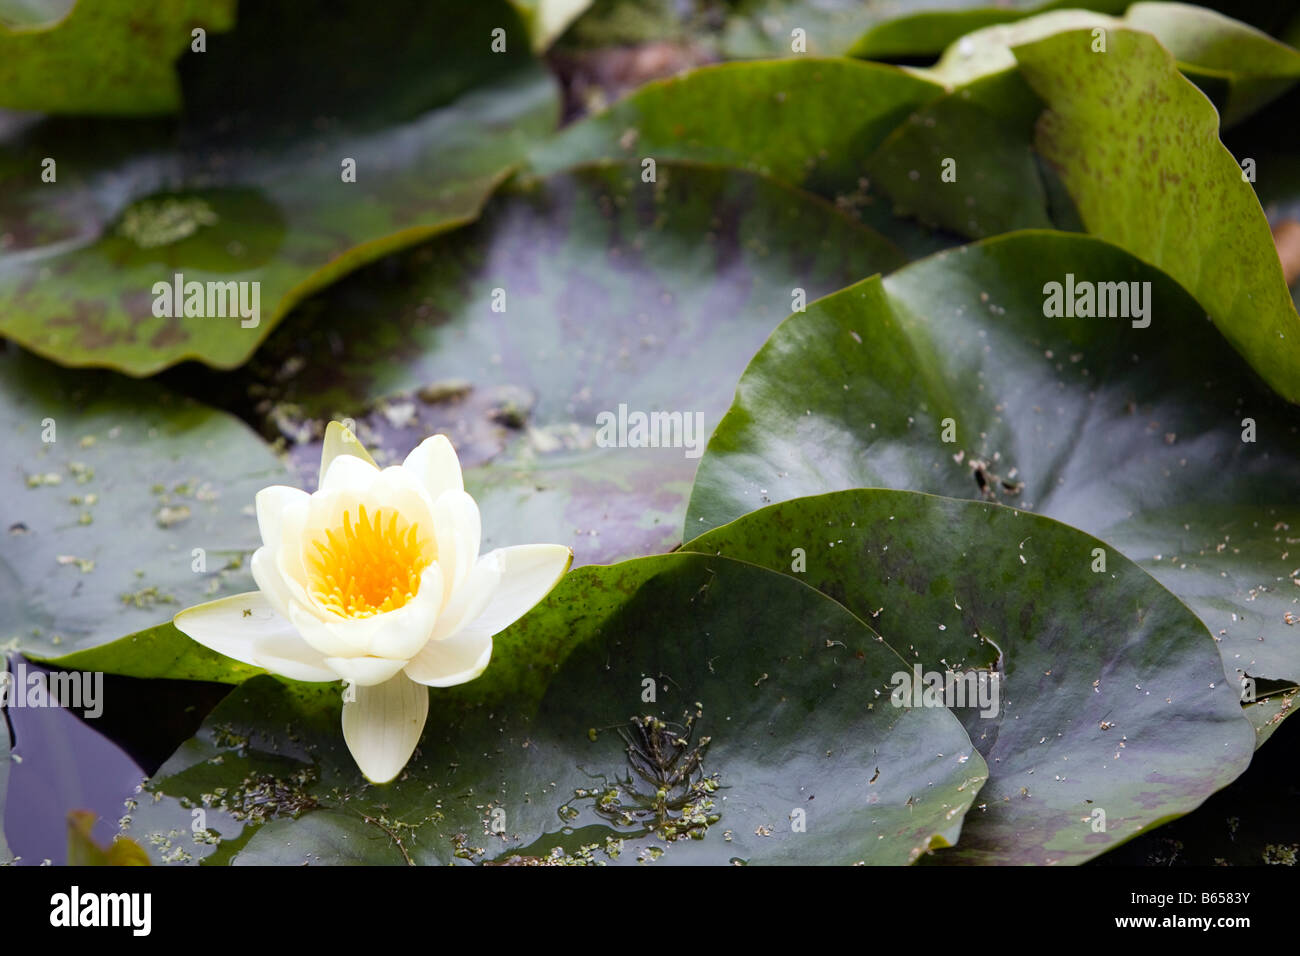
(369, 566)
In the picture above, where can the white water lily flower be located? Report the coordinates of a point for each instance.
(376, 579)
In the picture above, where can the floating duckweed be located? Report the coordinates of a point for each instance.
(169, 515)
(146, 597)
(160, 222)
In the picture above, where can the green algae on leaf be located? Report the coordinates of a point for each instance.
(134, 452)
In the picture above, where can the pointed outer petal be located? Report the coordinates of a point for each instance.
(270, 582)
(225, 627)
(263, 637)
(339, 440)
(460, 658)
(272, 502)
(383, 725)
(394, 635)
(435, 464)
(459, 528)
(472, 598)
(347, 472)
(363, 671)
(528, 572)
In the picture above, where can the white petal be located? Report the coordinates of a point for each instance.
(319, 635)
(460, 658)
(288, 655)
(383, 725)
(470, 599)
(528, 572)
(271, 504)
(458, 528)
(247, 628)
(401, 633)
(231, 625)
(270, 581)
(435, 464)
(289, 555)
(364, 671)
(339, 441)
(349, 473)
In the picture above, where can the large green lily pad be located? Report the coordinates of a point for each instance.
(802, 761)
(615, 292)
(127, 503)
(1111, 693)
(250, 188)
(1132, 141)
(110, 56)
(1131, 434)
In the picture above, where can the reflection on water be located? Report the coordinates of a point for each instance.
(62, 762)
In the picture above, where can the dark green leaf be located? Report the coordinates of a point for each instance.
(251, 188)
(1112, 695)
(1131, 181)
(1132, 434)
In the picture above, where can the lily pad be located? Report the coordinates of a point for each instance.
(1255, 67)
(280, 195)
(1124, 130)
(767, 711)
(807, 122)
(958, 165)
(1266, 714)
(966, 162)
(127, 503)
(615, 292)
(1134, 435)
(110, 56)
(1111, 695)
